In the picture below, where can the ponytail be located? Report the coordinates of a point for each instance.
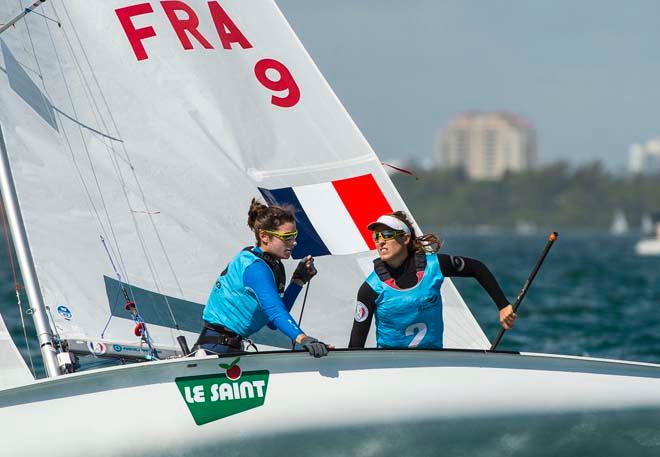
(429, 243)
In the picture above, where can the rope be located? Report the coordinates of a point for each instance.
(75, 162)
(137, 180)
(113, 156)
(135, 313)
(96, 112)
(69, 145)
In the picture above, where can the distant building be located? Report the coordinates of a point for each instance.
(644, 158)
(486, 145)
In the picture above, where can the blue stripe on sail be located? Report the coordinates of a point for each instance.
(309, 241)
(153, 310)
(153, 307)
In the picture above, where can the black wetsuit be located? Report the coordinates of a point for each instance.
(405, 277)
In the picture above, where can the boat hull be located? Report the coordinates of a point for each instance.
(649, 246)
(373, 402)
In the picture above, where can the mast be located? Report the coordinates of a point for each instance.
(26, 263)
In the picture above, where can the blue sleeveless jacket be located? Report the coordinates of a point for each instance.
(233, 305)
(410, 317)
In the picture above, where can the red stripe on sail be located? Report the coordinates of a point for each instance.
(364, 201)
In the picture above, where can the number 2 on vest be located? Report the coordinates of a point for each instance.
(421, 332)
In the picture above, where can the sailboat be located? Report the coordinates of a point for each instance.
(133, 134)
(650, 244)
(619, 224)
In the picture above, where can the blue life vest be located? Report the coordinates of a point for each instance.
(232, 304)
(410, 317)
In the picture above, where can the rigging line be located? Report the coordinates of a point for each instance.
(80, 176)
(145, 251)
(137, 180)
(86, 189)
(27, 28)
(155, 275)
(34, 52)
(70, 147)
(112, 156)
(17, 286)
(82, 76)
(99, 120)
(88, 92)
(149, 261)
(86, 149)
(133, 308)
(43, 96)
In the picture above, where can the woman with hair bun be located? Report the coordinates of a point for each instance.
(250, 292)
(403, 292)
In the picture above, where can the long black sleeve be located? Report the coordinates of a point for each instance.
(364, 313)
(456, 266)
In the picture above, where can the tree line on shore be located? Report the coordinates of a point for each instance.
(555, 195)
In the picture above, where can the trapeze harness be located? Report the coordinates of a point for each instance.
(232, 309)
(409, 317)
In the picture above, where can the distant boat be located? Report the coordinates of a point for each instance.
(619, 224)
(524, 227)
(651, 244)
(646, 225)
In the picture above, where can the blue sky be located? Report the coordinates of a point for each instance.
(586, 74)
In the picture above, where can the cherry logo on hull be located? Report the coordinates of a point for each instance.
(233, 370)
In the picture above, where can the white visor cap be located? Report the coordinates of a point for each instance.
(389, 222)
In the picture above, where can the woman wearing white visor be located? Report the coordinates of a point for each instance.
(403, 292)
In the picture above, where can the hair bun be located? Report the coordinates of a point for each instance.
(257, 209)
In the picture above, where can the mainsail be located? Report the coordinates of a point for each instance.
(138, 132)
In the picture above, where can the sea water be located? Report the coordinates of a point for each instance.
(593, 296)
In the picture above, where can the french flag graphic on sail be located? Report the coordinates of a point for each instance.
(332, 217)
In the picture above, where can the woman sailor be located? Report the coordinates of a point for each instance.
(250, 292)
(403, 292)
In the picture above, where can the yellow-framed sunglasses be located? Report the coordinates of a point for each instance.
(284, 236)
(387, 235)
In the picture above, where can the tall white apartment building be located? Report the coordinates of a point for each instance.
(486, 145)
(644, 158)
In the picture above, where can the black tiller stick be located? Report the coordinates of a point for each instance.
(302, 309)
(551, 239)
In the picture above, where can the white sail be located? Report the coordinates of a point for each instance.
(619, 224)
(13, 371)
(150, 126)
